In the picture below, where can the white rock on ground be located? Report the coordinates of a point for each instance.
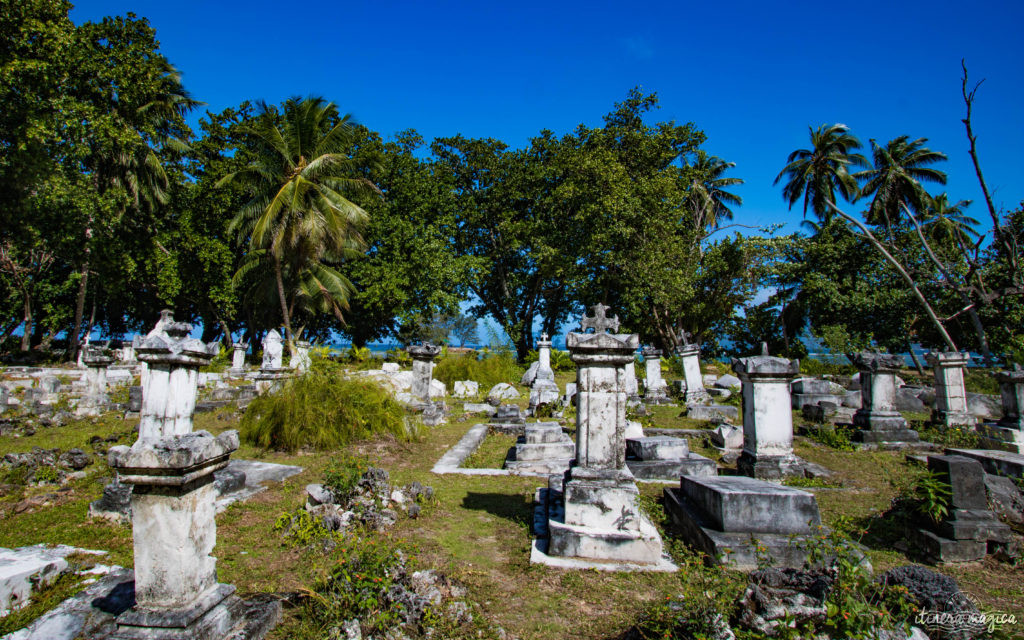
(501, 391)
(728, 381)
(465, 388)
(27, 569)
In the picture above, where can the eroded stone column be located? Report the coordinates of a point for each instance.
(422, 374)
(600, 519)
(300, 361)
(877, 417)
(272, 372)
(655, 387)
(693, 382)
(96, 363)
(950, 393)
(1008, 433)
(238, 351)
(543, 391)
(767, 417)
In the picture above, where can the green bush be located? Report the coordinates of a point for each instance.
(488, 370)
(981, 381)
(323, 410)
(834, 437)
(342, 476)
(560, 360)
(814, 367)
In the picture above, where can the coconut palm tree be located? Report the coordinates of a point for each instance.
(816, 174)
(708, 198)
(947, 223)
(898, 170)
(300, 216)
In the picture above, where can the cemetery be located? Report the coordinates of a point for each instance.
(512, 355)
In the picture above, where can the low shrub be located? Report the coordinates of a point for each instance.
(837, 438)
(560, 360)
(815, 367)
(488, 370)
(981, 381)
(323, 410)
(954, 437)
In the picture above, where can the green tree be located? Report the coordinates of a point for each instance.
(300, 219)
(816, 174)
(895, 179)
(708, 200)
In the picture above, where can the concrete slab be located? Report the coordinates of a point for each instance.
(742, 504)
(1002, 463)
(257, 475)
(25, 570)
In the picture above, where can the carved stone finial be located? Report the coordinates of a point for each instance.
(764, 349)
(600, 322)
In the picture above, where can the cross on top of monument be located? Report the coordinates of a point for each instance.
(600, 322)
(764, 349)
(544, 337)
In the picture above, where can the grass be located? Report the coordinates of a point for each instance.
(487, 371)
(491, 453)
(477, 531)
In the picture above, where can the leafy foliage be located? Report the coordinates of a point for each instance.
(323, 410)
(487, 369)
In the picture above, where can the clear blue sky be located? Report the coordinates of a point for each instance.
(753, 76)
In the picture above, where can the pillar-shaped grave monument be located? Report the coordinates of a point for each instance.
(272, 371)
(96, 363)
(1008, 433)
(238, 350)
(543, 391)
(592, 513)
(655, 387)
(767, 417)
(300, 359)
(433, 413)
(173, 506)
(692, 385)
(950, 392)
(878, 419)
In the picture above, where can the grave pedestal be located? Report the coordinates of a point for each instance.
(665, 458)
(727, 517)
(877, 417)
(96, 363)
(1008, 433)
(950, 393)
(543, 391)
(300, 361)
(238, 359)
(543, 449)
(767, 417)
(655, 387)
(593, 514)
(969, 531)
(693, 382)
(422, 373)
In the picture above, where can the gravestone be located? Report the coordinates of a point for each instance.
(95, 397)
(592, 512)
(969, 530)
(1008, 433)
(665, 458)
(692, 386)
(543, 391)
(300, 361)
(655, 387)
(238, 350)
(809, 391)
(767, 417)
(173, 505)
(433, 413)
(544, 448)
(272, 373)
(632, 387)
(877, 417)
(950, 392)
(729, 517)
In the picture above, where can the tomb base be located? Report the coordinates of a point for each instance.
(665, 458)
(769, 467)
(657, 396)
(953, 418)
(886, 432)
(271, 380)
(543, 449)
(994, 436)
(592, 515)
(737, 521)
(220, 615)
(879, 420)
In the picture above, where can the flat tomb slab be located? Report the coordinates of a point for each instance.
(747, 505)
(994, 462)
(657, 448)
(672, 470)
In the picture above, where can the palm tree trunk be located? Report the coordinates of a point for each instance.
(284, 302)
(26, 337)
(913, 356)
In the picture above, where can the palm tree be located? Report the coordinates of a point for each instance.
(299, 218)
(708, 198)
(816, 174)
(899, 169)
(947, 223)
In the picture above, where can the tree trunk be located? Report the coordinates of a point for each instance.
(913, 356)
(26, 338)
(76, 327)
(284, 303)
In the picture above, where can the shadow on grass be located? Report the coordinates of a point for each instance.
(518, 509)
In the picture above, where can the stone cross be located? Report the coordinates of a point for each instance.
(600, 323)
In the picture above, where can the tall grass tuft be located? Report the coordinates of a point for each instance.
(323, 410)
(489, 370)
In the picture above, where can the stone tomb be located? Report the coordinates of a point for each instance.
(1008, 433)
(543, 391)
(655, 387)
(726, 517)
(665, 458)
(432, 413)
(691, 387)
(95, 397)
(543, 449)
(877, 417)
(590, 517)
(950, 393)
(173, 506)
(810, 391)
(238, 350)
(970, 531)
(767, 417)
(272, 372)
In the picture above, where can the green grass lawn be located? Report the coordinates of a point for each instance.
(477, 529)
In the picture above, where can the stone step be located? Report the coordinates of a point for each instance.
(545, 451)
(657, 448)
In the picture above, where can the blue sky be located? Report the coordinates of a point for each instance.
(752, 75)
